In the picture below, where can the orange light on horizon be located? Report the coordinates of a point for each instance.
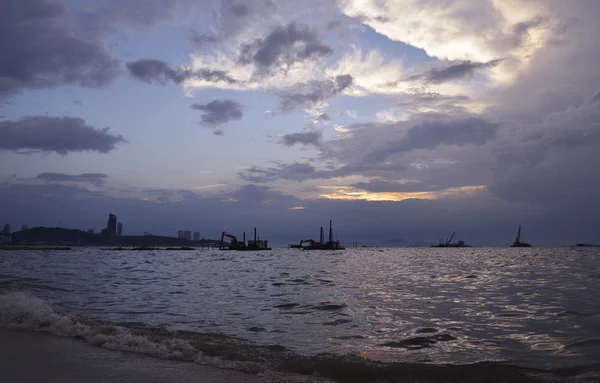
(351, 194)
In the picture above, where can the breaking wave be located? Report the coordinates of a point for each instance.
(21, 311)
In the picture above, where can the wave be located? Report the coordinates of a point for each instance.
(25, 312)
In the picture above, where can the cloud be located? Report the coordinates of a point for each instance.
(305, 95)
(283, 47)
(333, 24)
(151, 71)
(382, 186)
(41, 47)
(96, 179)
(455, 30)
(296, 171)
(141, 13)
(62, 135)
(429, 135)
(308, 137)
(259, 194)
(455, 71)
(267, 209)
(355, 194)
(465, 31)
(228, 19)
(596, 97)
(324, 117)
(219, 112)
(299, 171)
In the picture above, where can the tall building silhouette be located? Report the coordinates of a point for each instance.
(6, 229)
(120, 229)
(196, 236)
(111, 228)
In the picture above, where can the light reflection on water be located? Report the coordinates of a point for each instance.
(532, 306)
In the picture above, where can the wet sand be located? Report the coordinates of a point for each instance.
(37, 357)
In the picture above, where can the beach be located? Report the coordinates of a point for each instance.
(39, 357)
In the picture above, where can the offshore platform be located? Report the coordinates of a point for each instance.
(321, 245)
(518, 242)
(254, 244)
(448, 242)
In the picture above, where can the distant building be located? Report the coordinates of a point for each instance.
(24, 227)
(184, 234)
(196, 236)
(90, 231)
(147, 234)
(5, 238)
(120, 229)
(111, 228)
(6, 229)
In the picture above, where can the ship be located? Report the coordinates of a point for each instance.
(321, 245)
(449, 243)
(518, 242)
(254, 244)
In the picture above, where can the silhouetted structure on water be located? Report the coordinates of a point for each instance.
(518, 242)
(254, 244)
(321, 245)
(449, 243)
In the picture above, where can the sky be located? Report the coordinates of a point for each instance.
(405, 119)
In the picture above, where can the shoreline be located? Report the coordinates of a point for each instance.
(27, 356)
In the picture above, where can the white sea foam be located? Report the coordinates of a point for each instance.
(22, 311)
(25, 312)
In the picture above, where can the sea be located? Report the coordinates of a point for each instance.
(368, 314)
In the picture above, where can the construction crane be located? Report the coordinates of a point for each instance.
(451, 238)
(235, 244)
(310, 241)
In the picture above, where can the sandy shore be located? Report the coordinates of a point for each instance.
(37, 357)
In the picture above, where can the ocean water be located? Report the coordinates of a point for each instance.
(414, 314)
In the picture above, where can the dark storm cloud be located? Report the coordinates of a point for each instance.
(219, 112)
(96, 179)
(457, 71)
(283, 47)
(565, 180)
(309, 137)
(429, 135)
(55, 134)
(40, 48)
(151, 71)
(305, 95)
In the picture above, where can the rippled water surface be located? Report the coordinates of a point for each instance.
(534, 307)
